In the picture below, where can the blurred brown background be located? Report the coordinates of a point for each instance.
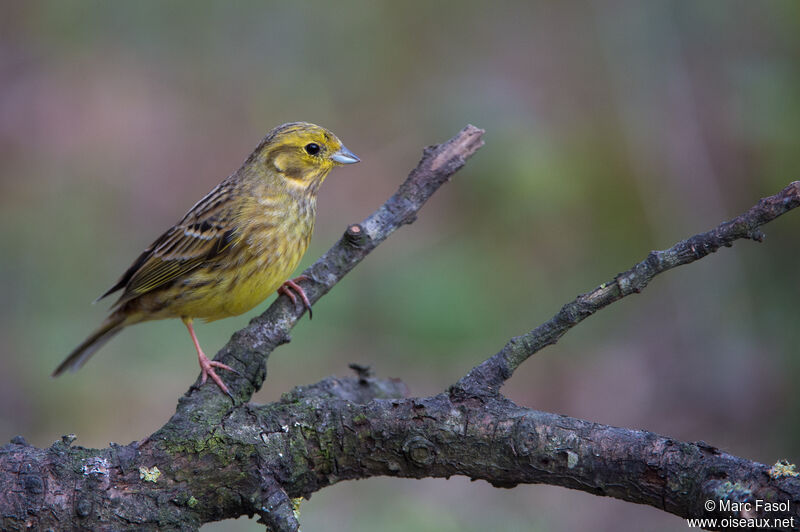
(613, 128)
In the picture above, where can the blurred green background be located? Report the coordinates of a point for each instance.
(612, 128)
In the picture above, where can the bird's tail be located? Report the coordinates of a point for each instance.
(113, 324)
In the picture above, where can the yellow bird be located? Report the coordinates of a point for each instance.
(232, 249)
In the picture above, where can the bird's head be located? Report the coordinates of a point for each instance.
(301, 153)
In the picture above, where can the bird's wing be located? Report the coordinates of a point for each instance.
(206, 231)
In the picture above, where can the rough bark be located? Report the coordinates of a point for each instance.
(215, 459)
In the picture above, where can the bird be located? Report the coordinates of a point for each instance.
(236, 246)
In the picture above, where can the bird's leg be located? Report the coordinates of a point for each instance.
(206, 365)
(291, 285)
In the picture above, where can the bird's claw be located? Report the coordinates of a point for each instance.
(207, 370)
(290, 287)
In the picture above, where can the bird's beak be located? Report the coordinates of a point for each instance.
(344, 156)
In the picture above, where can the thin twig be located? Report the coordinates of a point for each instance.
(493, 372)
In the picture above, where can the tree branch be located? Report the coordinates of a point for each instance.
(213, 460)
(491, 374)
(504, 444)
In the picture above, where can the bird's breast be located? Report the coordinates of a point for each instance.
(267, 252)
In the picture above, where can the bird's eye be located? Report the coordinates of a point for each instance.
(312, 148)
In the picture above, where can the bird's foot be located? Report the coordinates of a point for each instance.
(207, 370)
(290, 287)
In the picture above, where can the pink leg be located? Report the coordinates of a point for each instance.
(290, 287)
(207, 366)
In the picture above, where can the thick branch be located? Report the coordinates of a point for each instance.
(169, 483)
(340, 429)
(491, 374)
(504, 444)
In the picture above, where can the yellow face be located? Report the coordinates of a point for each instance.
(303, 152)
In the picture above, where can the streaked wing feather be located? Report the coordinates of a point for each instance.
(204, 232)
